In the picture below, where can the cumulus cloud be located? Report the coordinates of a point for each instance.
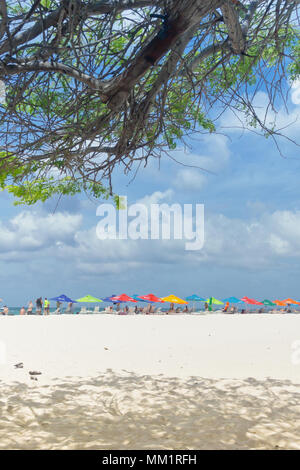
(190, 179)
(258, 242)
(295, 93)
(31, 231)
(287, 121)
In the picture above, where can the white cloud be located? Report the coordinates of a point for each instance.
(295, 94)
(255, 243)
(190, 179)
(30, 231)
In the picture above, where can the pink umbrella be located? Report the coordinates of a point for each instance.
(123, 298)
(251, 301)
(151, 298)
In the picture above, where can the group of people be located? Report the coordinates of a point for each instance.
(39, 307)
(42, 308)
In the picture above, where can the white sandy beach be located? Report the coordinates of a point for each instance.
(150, 382)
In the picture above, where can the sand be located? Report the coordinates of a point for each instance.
(150, 382)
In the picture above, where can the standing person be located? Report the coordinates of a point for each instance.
(39, 305)
(58, 304)
(30, 308)
(5, 310)
(22, 311)
(46, 306)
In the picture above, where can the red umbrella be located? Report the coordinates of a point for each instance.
(123, 298)
(251, 301)
(151, 298)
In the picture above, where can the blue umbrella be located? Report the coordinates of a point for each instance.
(63, 298)
(233, 300)
(195, 298)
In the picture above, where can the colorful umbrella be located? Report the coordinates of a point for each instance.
(251, 301)
(268, 302)
(232, 300)
(108, 299)
(280, 303)
(150, 298)
(291, 301)
(89, 298)
(63, 298)
(195, 298)
(174, 300)
(123, 298)
(139, 299)
(213, 300)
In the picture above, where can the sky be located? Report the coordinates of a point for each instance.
(251, 245)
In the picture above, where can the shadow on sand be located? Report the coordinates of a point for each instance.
(128, 411)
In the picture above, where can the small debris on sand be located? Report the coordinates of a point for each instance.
(20, 365)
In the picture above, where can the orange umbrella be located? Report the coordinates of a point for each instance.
(291, 301)
(280, 303)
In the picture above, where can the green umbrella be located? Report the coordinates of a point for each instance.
(212, 300)
(268, 302)
(89, 298)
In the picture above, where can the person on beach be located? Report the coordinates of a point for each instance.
(30, 308)
(39, 305)
(22, 311)
(46, 306)
(70, 307)
(5, 310)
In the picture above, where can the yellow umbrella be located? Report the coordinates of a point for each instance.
(174, 300)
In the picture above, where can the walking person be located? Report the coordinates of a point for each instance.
(30, 308)
(39, 306)
(46, 306)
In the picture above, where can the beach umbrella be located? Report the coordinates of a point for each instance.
(139, 299)
(251, 301)
(88, 298)
(151, 298)
(123, 298)
(174, 300)
(213, 300)
(268, 303)
(232, 300)
(108, 299)
(291, 301)
(63, 298)
(195, 298)
(280, 303)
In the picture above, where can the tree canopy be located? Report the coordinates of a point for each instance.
(91, 86)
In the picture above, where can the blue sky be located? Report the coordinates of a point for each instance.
(252, 227)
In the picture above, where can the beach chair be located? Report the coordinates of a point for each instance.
(83, 310)
(131, 311)
(96, 310)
